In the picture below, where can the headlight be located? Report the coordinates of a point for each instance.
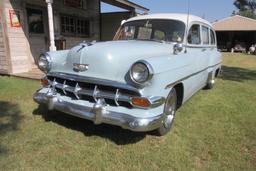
(141, 72)
(44, 62)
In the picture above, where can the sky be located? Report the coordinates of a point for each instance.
(211, 10)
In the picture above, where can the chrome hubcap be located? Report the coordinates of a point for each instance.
(170, 109)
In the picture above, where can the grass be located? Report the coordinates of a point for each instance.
(215, 130)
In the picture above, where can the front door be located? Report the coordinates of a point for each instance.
(37, 30)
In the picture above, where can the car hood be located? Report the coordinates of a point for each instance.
(111, 60)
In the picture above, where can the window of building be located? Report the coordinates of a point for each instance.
(75, 26)
(76, 3)
(83, 27)
(213, 41)
(205, 34)
(35, 21)
(194, 37)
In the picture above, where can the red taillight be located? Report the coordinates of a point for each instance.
(44, 82)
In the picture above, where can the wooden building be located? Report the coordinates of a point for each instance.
(235, 30)
(31, 27)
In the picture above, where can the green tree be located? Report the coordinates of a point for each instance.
(246, 8)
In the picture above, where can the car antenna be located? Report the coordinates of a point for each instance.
(188, 13)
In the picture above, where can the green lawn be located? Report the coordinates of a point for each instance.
(215, 130)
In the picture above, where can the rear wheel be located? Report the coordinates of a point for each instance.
(169, 113)
(210, 81)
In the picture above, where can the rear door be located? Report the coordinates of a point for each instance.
(197, 51)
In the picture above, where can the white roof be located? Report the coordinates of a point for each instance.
(172, 16)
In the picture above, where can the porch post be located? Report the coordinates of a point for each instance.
(50, 23)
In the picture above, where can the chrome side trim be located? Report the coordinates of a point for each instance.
(99, 113)
(92, 80)
(191, 75)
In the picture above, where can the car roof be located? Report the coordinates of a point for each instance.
(172, 16)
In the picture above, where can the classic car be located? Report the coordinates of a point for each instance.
(137, 81)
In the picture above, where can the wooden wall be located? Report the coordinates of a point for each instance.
(4, 67)
(92, 12)
(18, 44)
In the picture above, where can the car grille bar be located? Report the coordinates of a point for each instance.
(113, 95)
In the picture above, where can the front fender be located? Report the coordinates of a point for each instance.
(167, 70)
(58, 58)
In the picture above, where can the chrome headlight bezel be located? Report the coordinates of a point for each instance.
(44, 62)
(148, 70)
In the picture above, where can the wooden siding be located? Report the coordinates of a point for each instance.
(3, 57)
(18, 43)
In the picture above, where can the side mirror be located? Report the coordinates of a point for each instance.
(123, 21)
(178, 47)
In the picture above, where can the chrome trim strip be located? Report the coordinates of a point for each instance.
(117, 97)
(191, 75)
(95, 93)
(99, 113)
(92, 80)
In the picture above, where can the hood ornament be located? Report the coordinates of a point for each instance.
(80, 67)
(86, 44)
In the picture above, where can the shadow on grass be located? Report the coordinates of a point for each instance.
(237, 74)
(10, 117)
(113, 133)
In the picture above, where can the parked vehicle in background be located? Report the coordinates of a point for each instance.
(239, 47)
(137, 81)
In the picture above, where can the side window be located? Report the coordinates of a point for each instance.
(213, 41)
(194, 35)
(205, 34)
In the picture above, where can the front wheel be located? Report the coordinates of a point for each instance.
(169, 113)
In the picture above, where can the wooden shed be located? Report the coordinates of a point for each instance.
(235, 30)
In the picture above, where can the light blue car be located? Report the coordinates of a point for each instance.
(137, 81)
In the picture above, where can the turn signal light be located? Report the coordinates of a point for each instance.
(140, 102)
(44, 82)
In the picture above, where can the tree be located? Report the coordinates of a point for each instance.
(246, 8)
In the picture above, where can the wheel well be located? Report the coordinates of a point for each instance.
(217, 72)
(180, 93)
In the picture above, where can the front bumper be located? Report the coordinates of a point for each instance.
(98, 113)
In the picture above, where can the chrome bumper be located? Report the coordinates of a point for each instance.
(98, 113)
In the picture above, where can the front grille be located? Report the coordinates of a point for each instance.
(113, 93)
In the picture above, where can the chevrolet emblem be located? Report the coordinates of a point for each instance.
(80, 67)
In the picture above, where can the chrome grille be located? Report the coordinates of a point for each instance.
(85, 89)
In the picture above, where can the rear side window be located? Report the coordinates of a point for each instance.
(205, 34)
(194, 37)
(213, 41)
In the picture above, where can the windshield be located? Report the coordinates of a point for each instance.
(152, 30)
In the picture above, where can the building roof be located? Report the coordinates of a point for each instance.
(235, 23)
(173, 16)
(125, 4)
